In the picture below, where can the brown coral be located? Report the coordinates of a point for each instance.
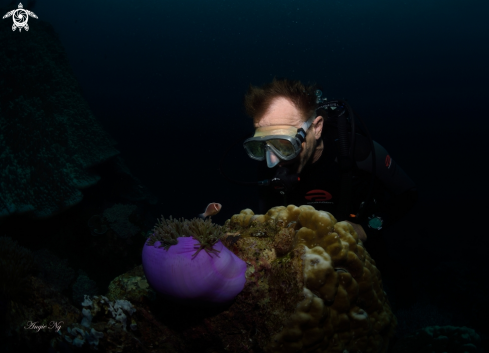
(284, 241)
(341, 305)
(310, 287)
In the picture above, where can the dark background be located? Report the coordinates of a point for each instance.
(166, 79)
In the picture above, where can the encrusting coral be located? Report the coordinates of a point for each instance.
(310, 287)
(307, 285)
(339, 301)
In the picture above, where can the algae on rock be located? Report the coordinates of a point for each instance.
(310, 287)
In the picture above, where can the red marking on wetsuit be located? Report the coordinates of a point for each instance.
(318, 195)
(388, 161)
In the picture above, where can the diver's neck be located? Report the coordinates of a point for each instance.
(316, 154)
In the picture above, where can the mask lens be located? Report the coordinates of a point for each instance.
(256, 148)
(283, 147)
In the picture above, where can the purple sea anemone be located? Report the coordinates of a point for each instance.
(181, 272)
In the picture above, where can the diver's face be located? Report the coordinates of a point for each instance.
(283, 112)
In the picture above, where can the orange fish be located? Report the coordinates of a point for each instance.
(212, 209)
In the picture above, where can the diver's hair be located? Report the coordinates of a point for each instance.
(257, 100)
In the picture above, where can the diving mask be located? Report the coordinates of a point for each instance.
(275, 143)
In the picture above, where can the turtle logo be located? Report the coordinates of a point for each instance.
(20, 17)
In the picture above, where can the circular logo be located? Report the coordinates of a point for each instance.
(20, 17)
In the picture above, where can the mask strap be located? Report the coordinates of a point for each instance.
(308, 123)
(301, 132)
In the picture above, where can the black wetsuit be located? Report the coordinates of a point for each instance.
(394, 193)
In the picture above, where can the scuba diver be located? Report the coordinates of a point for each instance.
(313, 156)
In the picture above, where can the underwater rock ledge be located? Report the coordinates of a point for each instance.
(310, 287)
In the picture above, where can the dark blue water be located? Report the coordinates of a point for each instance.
(167, 81)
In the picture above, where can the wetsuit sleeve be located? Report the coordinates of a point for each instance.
(400, 193)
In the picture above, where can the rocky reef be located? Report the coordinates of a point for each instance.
(316, 287)
(310, 287)
(49, 137)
